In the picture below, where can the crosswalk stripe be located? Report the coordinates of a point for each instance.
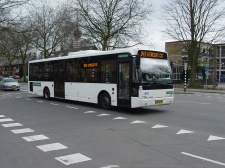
(12, 125)
(103, 114)
(72, 159)
(6, 120)
(21, 131)
(51, 147)
(1, 116)
(35, 138)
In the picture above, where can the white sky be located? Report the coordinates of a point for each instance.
(157, 26)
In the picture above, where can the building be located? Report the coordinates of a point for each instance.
(211, 58)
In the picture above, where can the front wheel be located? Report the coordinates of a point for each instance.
(46, 93)
(105, 101)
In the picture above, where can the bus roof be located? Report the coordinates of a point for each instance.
(92, 53)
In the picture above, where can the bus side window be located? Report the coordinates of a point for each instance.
(108, 71)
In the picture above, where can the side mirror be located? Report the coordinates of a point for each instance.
(138, 61)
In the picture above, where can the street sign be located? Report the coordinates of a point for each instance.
(206, 69)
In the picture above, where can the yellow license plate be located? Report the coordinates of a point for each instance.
(159, 102)
(13, 87)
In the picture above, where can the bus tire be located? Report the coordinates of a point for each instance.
(105, 101)
(46, 93)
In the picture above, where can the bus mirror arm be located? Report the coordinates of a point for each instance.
(138, 61)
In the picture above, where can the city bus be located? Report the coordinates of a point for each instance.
(127, 77)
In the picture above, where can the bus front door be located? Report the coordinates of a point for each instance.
(124, 83)
(59, 79)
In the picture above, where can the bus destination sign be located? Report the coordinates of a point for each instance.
(152, 54)
(90, 65)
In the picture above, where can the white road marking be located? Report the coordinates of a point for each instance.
(119, 118)
(138, 122)
(1, 116)
(159, 126)
(27, 99)
(72, 159)
(6, 120)
(51, 147)
(12, 125)
(39, 101)
(202, 158)
(72, 107)
(21, 131)
(18, 97)
(110, 166)
(201, 103)
(215, 138)
(103, 114)
(184, 101)
(185, 132)
(35, 138)
(54, 104)
(89, 112)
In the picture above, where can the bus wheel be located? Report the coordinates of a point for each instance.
(105, 101)
(46, 93)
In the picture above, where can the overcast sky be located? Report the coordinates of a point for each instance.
(156, 26)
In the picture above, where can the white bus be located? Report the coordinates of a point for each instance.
(125, 77)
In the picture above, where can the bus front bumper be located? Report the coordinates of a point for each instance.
(136, 102)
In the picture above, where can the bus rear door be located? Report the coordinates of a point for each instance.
(59, 80)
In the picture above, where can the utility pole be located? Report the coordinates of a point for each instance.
(185, 77)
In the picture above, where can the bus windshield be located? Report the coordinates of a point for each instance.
(155, 70)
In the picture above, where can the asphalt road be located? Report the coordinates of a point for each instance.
(39, 133)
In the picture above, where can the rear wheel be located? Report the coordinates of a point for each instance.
(105, 101)
(46, 93)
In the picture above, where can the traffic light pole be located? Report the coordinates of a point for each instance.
(185, 77)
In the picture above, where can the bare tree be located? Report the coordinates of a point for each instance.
(194, 22)
(24, 38)
(113, 23)
(51, 26)
(8, 47)
(6, 7)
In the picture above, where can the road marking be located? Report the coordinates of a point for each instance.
(54, 104)
(39, 101)
(71, 107)
(21, 131)
(110, 166)
(35, 138)
(51, 147)
(201, 103)
(72, 159)
(185, 132)
(184, 101)
(119, 118)
(18, 97)
(27, 99)
(89, 112)
(138, 122)
(1, 116)
(202, 158)
(214, 138)
(103, 114)
(6, 120)
(159, 126)
(12, 125)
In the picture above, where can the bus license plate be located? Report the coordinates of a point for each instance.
(159, 102)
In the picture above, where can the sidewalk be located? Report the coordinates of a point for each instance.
(220, 89)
